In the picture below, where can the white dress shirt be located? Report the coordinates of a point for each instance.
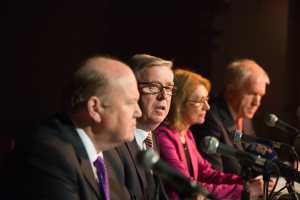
(140, 135)
(90, 149)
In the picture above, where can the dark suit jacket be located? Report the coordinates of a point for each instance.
(219, 123)
(116, 176)
(140, 183)
(54, 164)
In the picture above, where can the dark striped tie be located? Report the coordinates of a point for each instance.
(148, 141)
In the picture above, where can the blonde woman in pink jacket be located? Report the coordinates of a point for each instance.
(177, 146)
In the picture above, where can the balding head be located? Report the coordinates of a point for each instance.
(239, 72)
(110, 68)
(93, 78)
(104, 101)
(245, 85)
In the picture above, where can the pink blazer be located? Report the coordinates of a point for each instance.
(223, 186)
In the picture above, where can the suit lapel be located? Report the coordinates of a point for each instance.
(180, 148)
(155, 143)
(66, 126)
(226, 117)
(193, 157)
(229, 124)
(89, 175)
(133, 150)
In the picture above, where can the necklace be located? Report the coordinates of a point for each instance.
(182, 139)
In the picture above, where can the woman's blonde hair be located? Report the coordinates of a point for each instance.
(186, 82)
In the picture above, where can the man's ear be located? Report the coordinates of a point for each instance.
(95, 108)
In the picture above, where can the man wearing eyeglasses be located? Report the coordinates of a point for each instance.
(156, 86)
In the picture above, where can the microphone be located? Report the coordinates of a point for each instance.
(149, 159)
(239, 137)
(273, 121)
(211, 145)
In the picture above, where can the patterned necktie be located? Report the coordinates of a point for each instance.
(148, 141)
(102, 176)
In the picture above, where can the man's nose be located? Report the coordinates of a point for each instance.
(138, 111)
(256, 100)
(162, 94)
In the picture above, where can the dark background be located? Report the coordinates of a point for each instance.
(43, 41)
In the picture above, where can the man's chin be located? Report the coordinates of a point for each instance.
(159, 119)
(129, 139)
(250, 115)
(156, 121)
(120, 141)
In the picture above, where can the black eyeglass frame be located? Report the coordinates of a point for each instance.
(169, 89)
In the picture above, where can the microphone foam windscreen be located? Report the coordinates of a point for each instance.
(271, 120)
(147, 158)
(210, 145)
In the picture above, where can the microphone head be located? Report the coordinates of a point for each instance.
(271, 120)
(210, 145)
(147, 158)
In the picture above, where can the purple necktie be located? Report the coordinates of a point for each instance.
(102, 176)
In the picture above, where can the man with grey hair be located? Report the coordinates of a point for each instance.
(245, 84)
(156, 86)
(63, 160)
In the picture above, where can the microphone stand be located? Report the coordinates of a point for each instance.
(289, 181)
(291, 190)
(246, 174)
(269, 167)
(266, 178)
(246, 191)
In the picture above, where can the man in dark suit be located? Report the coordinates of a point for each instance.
(59, 161)
(245, 85)
(156, 86)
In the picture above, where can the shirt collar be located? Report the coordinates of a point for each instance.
(140, 135)
(231, 111)
(88, 145)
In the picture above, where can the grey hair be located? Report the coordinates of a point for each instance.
(140, 62)
(238, 71)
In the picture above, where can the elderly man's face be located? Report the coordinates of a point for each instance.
(155, 106)
(122, 110)
(248, 97)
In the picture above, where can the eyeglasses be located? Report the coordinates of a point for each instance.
(156, 88)
(199, 101)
